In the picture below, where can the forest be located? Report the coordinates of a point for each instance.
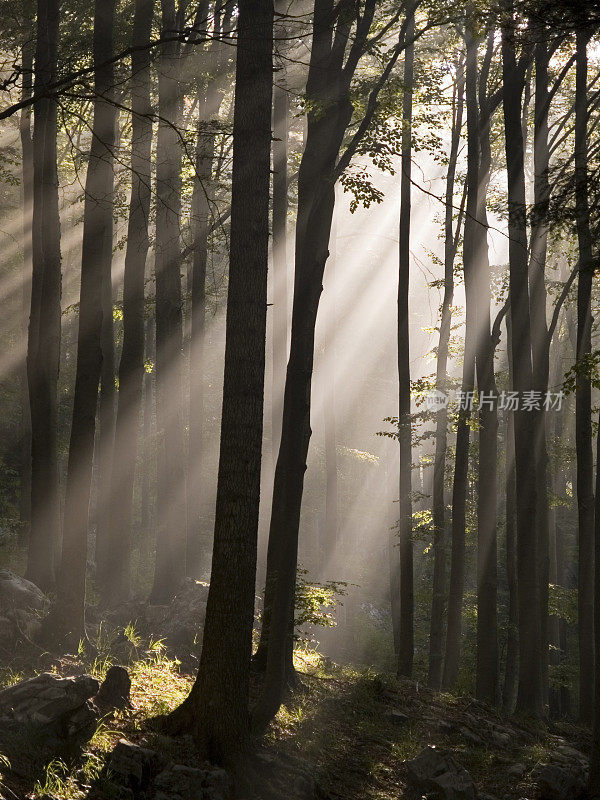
(299, 400)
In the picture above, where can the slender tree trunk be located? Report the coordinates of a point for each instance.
(529, 693)
(554, 534)
(594, 776)
(43, 347)
(511, 674)
(147, 511)
(280, 310)
(27, 198)
(329, 419)
(328, 88)
(436, 630)
(217, 707)
(68, 619)
(460, 481)
(116, 580)
(477, 275)
(406, 622)
(171, 534)
(105, 437)
(583, 396)
(281, 113)
(539, 332)
(199, 544)
(460, 487)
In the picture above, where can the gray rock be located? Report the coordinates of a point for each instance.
(179, 782)
(559, 783)
(59, 705)
(17, 592)
(115, 689)
(132, 766)
(185, 616)
(571, 754)
(436, 772)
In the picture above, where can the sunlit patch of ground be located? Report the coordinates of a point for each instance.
(349, 730)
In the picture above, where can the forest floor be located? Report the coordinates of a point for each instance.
(345, 733)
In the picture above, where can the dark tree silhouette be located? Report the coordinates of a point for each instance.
(217, 708)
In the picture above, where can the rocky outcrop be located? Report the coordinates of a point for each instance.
(560, 782)
(51, 702)
(436, 773)
(181, 621)
(133, 767)
(21, 607)
(115, 689)
(178, 624)
(19, 593)
(179, 782)
(139, 772)
(45, 717)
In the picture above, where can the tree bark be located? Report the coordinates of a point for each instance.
(217, 707)
(199, 545)
(328, 87)
(436, 630)
(539, 331)
(27, 199)
(477, 287)
(529, 699)
(116, 578)
(68, 620)
(511, 674)
(594, 776)
(171, 534)
(329, 114)
(583, 395)
(43, 346)
(281, 113)
(330, 536)
(148, 449)
(406, 610)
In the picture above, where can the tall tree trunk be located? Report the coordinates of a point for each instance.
(329, 418)
(327, 87)
(280, 306)
(487, 678)
(281, 113)
(511, 674)
(149, 451)
(583, 396)
(43, 346)
(556, 482)
(116, 580)
(27, 199)
(460, 487)
(529, 697)
(105, 437)
(477, 287)
(171, 534)
(68, 619)
(198, 546)
(436, 630)
(539, 331)
(594, 776)
(217, 707)
(406, 622)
